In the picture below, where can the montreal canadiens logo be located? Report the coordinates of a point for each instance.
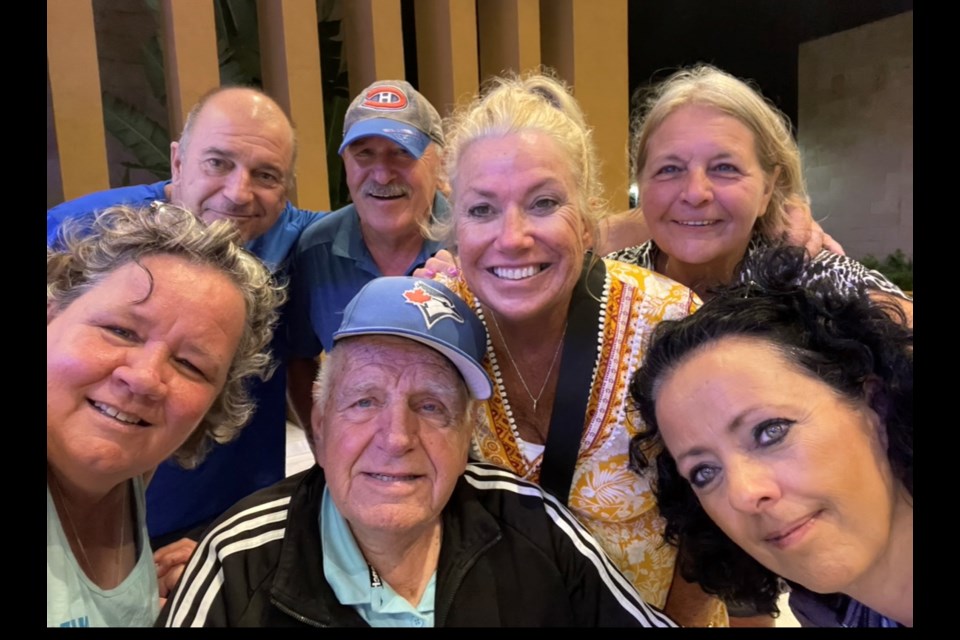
(388, 98)
(433, 305)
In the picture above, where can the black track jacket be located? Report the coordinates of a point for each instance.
(511, 555)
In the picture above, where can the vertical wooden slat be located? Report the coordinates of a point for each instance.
(189, 56)
(447, 61)
(290, 61)
(556, 36)
(509, 33)
(75, 94)
(586, 41)
(373, 39)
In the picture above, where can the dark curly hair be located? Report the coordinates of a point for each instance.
(842, 339)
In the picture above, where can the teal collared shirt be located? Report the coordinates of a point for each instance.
(355, 583)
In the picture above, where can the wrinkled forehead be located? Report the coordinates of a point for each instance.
(699, 111)
(221, 122)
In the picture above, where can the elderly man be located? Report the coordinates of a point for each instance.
(392, 138)
(394, 528)
(234, 160)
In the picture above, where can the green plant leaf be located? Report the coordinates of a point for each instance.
(248, 59)
(242, 19)
(238, 43)
(146, 139)
(897, 267)
(220, 23)
(329, 10)
(231, 74)
(242, 33)
(152, 56)
(162, 172)
(334, 111)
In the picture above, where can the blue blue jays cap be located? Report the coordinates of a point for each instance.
(393, 109)
(424, 311)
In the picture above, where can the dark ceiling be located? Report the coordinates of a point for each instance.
(756, 39)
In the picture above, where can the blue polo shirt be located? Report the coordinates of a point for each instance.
(178, 499)
(332, 264)
(136, 196)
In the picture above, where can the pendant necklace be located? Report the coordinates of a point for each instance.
(76, 535)
(517, 369)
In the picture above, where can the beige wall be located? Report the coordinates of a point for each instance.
(855, 130)
(122, 29)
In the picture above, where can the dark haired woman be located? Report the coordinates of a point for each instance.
(785, 416)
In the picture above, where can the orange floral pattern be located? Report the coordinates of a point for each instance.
(616, 504)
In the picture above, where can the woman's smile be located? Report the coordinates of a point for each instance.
(521, 241)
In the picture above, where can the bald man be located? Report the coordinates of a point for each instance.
(234, 160)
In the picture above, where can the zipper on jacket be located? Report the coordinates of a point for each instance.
(296, 616)
(448, 600)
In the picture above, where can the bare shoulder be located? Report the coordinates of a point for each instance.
(622, 230)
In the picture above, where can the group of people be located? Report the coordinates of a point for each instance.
(518, 431)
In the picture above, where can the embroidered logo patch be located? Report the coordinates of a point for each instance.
(433, 305)
(385, 98)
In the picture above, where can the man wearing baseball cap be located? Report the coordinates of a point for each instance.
(392, 140)
(392, 527)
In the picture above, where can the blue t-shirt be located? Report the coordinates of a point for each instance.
(178, 499)
(332, 264)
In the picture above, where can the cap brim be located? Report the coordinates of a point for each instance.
(413, 140)
(478, 382)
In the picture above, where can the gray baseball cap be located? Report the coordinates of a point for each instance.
(394, 110)
(427, 312)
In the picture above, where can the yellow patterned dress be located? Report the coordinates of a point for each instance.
(616, 504)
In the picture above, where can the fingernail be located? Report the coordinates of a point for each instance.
(452, 271)
(429, 272)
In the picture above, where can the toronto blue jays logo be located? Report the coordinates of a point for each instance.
(433, 305)
(388, 98)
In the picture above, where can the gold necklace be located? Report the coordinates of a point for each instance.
(517, 369)
(76, 534)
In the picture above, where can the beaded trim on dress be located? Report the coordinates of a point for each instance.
(498, 377)
(498, 380)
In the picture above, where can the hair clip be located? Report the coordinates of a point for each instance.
(549, 96)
